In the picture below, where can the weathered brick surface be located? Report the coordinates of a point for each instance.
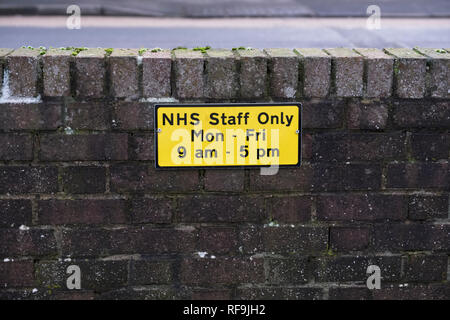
(253, 73)
(189, 74)
(23, 69)
(221, 74)
(379, 72)
(348, 72)
(56, 72)
(156, 73)
(316, 72)
(3, 53)
(439, 74)
(283, 66)
(123, 71)
(90, 66)
(78, 183)
(409, 73)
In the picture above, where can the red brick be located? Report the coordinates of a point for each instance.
(206, 271)
(323, 114)
(211, 294)
(224, 180)
(33, 242)
(411, 237)
(86, 211)
(285, 179)
(142, 147)
(349, 238)
(84, 179)
(289, 271)
(142, 240)
(297, 240)
(152, 210)
(26, 179)
(428, 207)
(418, 175)
(280, 293)
(30, 117)
(366, 207)
(148, 272)
(16, 147)
(138, 179)
(413, 292)
(16, 274)
(290, 209)
(218, 240)
(95, 275)
(350, 293)
(426, 268)
(59, 147)
(344, 269)
(133, 116)
(342, 147)
(369, 117)
(14, 213)
(421, 114)
(354, 176)
(209, 208)
(88, 116)
(430, 146)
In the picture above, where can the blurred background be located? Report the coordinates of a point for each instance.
(225, 23)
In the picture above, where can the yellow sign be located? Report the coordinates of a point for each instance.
(221, 135)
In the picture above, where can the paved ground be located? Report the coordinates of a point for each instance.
(223, 33)
(231, 8)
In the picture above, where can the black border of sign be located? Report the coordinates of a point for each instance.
(185, 105)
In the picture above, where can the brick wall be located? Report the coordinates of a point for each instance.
(78, 184)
